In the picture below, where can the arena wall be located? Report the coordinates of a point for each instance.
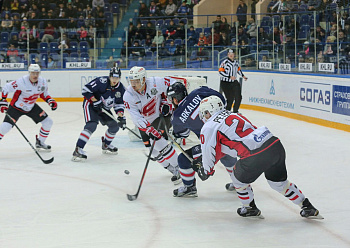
(323, 100)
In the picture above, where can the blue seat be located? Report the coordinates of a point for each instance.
(115, 8)
(84, 46)
(13, 33)
(141, 63)
(74, 57)
(166, 22)
(107, 7)
(144, 23)
(207, 31)
(304, 32)
(32, 57)
(43, 47)
(54, 47)
(184, 20)
(160, 23)
(4, 37)
(194, 64)
(176, 21)
(52, 6)
(178, 42)
(43, 59)
(55, 56)
(109, 17)
(199, 30)
(151, 64)
(84, 57)
(3, 46)
(149, 54)
(206, 64)
(73, 46)
(304, 19)
(168, 64)
(132, 63)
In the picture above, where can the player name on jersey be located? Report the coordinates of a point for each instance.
(285, 67)
(190, 107)
(78, 64)
(265, 65)
(12, 66)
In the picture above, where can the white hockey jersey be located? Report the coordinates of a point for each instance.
(26, 93)
(232, 134)
(145, 108)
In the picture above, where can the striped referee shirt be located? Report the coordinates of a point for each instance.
(229, 68)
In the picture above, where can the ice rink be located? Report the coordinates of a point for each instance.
(84, 205)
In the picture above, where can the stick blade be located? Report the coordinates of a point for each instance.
(131, 197)
(49, 161)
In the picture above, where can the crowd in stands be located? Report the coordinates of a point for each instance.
(287, 22)
(50, 26)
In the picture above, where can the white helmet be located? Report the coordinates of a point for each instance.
(137, 72)
(211, 104)
(34, 68)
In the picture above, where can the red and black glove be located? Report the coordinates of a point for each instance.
(52, 103)
(153, 133)
(4, 105)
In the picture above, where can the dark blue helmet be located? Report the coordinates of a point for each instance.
(177, 90)
(115, 72)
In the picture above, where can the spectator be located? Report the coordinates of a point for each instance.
(14, 5)
(253, 8)
(224, 39)
(343, 43)
(64, 43)
(81, 22)
(242, 13)
(100, 25)
(50, 18)
(153, 9)
(16, 24)
(242, 35)
(159, 39)
(34, 31)
(123, 51)
(251, 28)
(202, 38)
(171, 49)
(280, 6)
(217, 24)
(148, 40)
(14, 40)
(140, 32)
(263, 37)
(183, 10)
(70, 12)
(202, 52)
(180, 31)
(22, 44)
(51, 64)
(313, 5)
(91, 36)
(62, 21)
(48, 33)
(292, 26)
(33, 44)
(71, 25)
(87, 11)
(192, 37)
(150, 29)
(23, 8)
(12, 54)
(171, 30)
(110, 62)
(42, 14)
(170, 9)
(33, 20)
(25, 23)
(224, 26)
(6, 24)
(162, 6)
(143, 10)
(137, 51)
(23, 34)
(99, 3)
(330, 47)
(249, 62)
(82, 33)
(60, 9)
(131, 32)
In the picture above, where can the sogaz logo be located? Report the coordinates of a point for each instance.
(315, 95)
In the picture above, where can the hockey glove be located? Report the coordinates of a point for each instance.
(153, 133)
(4, 105)
(122, 122)
(97, 105)
(197, 164)
(181, 135)
(165, 109)
(52, 103)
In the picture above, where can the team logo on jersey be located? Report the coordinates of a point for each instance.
(103, 80)
(118, 94)
(154, 91)
(41, 88)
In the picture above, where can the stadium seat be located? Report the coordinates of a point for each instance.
(74, 57)
(151, 64)
(178, 42)
(176, 21)
(166, 22)
(109, 17)
(43, 47)
(132, 63)
(84, 46)
(115, 8)
(43, 59)
(73, 46)
(54, 47)
(3, 46)
(141, 63)
(206, 64)
(160, 23)
(168, 64)
(107, 7)
(4, 37)
(84, 57)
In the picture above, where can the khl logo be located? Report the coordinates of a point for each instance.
(272, 88)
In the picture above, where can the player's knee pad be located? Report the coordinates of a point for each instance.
(280, 187)
(113, 127)
(47, 123)
(228, 161)
(183, 162)
(5, 127)
(91, 126)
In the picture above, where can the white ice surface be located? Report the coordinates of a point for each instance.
(83, 205)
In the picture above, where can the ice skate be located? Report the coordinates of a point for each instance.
(190, 191)
(230, 187)
(108, 149)
(252, 211)
(79, 155)
(176, 179)
(308, 211)
(41, 146)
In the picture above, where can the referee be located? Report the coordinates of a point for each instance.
(228, 81)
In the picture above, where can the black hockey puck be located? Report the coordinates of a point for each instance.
(127, 172)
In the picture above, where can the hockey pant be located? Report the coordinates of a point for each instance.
(36, 114)
(92, 118)
(270, 160)
(186, 171)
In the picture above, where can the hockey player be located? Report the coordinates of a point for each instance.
(260, 152)
(27, 90)
(102, 92)
(145, 99)
(185, 119)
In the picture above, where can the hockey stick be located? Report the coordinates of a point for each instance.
(134, 197)
(110, 115)
(49, 161)
(177, 144)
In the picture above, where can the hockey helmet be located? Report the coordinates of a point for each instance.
(212, 105)
(137, 72)
(115, 72)
(34, 68)
(177, 90)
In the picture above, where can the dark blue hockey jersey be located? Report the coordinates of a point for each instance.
(101, 89)
(185, 118)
